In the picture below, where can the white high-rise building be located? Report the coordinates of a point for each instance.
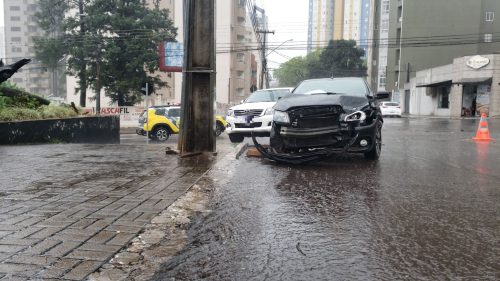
(19, 29)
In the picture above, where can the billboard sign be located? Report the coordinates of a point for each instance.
(171, 56)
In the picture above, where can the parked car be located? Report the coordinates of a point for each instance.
(164, 121)
(389, 108)
(254, 115)
(326, 116)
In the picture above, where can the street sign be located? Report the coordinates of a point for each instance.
(171, 56)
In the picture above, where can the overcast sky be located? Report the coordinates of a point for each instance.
(1, 12)
(289, 21)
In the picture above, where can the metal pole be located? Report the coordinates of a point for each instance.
(83, 68)
(197, 132)
(147, 113)
(98, 90)
(98, 82)
(400, 48)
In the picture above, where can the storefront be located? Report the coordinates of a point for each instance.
(468, 87)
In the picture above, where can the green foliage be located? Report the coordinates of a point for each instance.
(116, 50)
(23, 99)
(339, 59)
(4, 102)
(292, 72)
(44, 112)
(18, 114)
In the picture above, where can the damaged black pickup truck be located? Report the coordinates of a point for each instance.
(322, 117)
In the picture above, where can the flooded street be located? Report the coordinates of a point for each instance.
(429, 209)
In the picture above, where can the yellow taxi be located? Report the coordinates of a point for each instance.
(163, 121)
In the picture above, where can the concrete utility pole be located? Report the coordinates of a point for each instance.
(263, 74)
(197, 132)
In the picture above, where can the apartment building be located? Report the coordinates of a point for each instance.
(423, 35)
(321, 23)
(19, 29)
(338, 19)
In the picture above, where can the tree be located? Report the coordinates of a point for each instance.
(339, 59)
(291, 72)
(50, 52)
(342, 58)
(118, 50)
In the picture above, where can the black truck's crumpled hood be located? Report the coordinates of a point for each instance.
(348, 102)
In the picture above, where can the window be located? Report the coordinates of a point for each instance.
(240, 74)
(490, 16)
(444, 97)
(241, 20)
(240, 57)
(488, 37)
(398, 56)
(242, 3)
(17, 80)
(15, 39)
(385, 25)
(15, 28)
(15, 8)
(16, 49)
(381, 82)
(15, 18)
(32, 28)
(386, 6)
(240, 92)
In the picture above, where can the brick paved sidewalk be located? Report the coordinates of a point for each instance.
(67, 209)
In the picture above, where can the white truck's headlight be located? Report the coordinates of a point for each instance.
(269, 111)
(281, 117)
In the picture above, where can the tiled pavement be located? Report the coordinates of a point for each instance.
(67, 209)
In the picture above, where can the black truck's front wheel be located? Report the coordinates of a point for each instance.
(376, 150)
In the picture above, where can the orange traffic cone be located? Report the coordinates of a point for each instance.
(483, 133)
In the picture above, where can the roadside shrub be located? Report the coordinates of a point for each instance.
(18, 114)
(44, 112)
(51, 111)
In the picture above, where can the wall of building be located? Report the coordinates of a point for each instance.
(424, 100)
(429, 20)
(338, 20)
(322, 20)
(352, 19)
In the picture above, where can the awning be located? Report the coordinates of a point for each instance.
(478, 80)
(436, 84)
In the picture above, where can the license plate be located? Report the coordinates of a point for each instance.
(241, 119)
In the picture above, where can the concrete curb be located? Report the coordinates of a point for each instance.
(240, 149)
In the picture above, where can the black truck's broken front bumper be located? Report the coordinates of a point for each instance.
(311, 145)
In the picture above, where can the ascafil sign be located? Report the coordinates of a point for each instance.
(477, 62)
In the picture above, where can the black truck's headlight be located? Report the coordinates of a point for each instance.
(281, 117)
(356, 116)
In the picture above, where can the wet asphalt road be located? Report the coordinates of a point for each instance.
(429, 209)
